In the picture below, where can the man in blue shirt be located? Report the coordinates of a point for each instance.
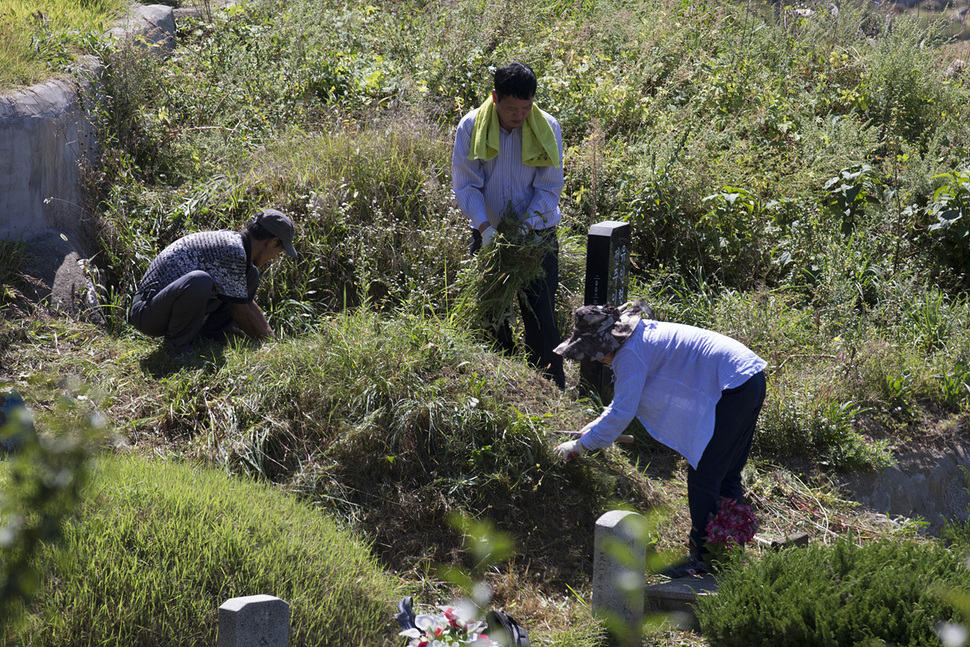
(507, 161)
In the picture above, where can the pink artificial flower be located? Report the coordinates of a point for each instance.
(733, 525)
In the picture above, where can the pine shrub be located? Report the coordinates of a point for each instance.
(835, 595)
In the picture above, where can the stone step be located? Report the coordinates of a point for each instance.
(677, 598)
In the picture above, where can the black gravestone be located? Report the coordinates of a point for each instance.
(607, 277)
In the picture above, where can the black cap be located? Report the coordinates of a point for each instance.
(278, 224)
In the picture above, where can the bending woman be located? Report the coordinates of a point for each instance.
(694, 390)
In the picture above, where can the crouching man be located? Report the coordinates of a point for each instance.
(204, 284)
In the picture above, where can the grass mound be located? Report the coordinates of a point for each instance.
(159, 546)
(394, 421)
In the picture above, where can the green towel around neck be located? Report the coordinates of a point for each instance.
(539, 145)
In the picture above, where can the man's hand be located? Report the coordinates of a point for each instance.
(570, 449)
(235, 331)
(251, 320)
(488, 235)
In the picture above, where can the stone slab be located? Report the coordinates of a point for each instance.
(678, 598)
(607, 281)
(789, 541)
(254, 621)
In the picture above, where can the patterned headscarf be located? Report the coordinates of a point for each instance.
(599, 330)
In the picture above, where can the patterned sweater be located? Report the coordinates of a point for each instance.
(221, 254)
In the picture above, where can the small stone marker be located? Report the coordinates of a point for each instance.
(798, 540)
(607, 277)
(254, 621)
(619, 571)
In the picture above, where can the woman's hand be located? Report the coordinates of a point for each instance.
(570, 449)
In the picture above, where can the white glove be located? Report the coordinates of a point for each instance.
(488, 235)
(570, 449)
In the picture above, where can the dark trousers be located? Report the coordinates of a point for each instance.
(538, 314)
(718, 473)
(180, 311)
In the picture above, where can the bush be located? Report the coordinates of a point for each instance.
(158, 546)
(812, 423)
(844, 595)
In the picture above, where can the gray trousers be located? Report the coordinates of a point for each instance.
(180, 311)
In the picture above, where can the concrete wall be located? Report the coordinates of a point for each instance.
(46, 134)
(930, 484)
(47, 142)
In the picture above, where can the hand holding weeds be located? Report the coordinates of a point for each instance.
(570, 449)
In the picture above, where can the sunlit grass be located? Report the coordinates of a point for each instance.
(39, 37)
(376, 405)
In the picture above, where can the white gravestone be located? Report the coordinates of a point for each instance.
(254, 621)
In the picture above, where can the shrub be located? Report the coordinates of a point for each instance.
(843, 595)
(42, 479)
(947, 224)
(810, 422)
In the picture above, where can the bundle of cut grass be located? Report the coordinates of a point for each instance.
(497, 278)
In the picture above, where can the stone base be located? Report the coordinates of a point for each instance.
(678, 597)
(790, 541)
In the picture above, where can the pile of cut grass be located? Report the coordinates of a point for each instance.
(159, 545)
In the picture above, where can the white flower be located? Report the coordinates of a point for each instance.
(425, 622)
(452, 628)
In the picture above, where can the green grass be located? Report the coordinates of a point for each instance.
(158, 545)
(42, 38)
(387, 423)
(788, 179)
